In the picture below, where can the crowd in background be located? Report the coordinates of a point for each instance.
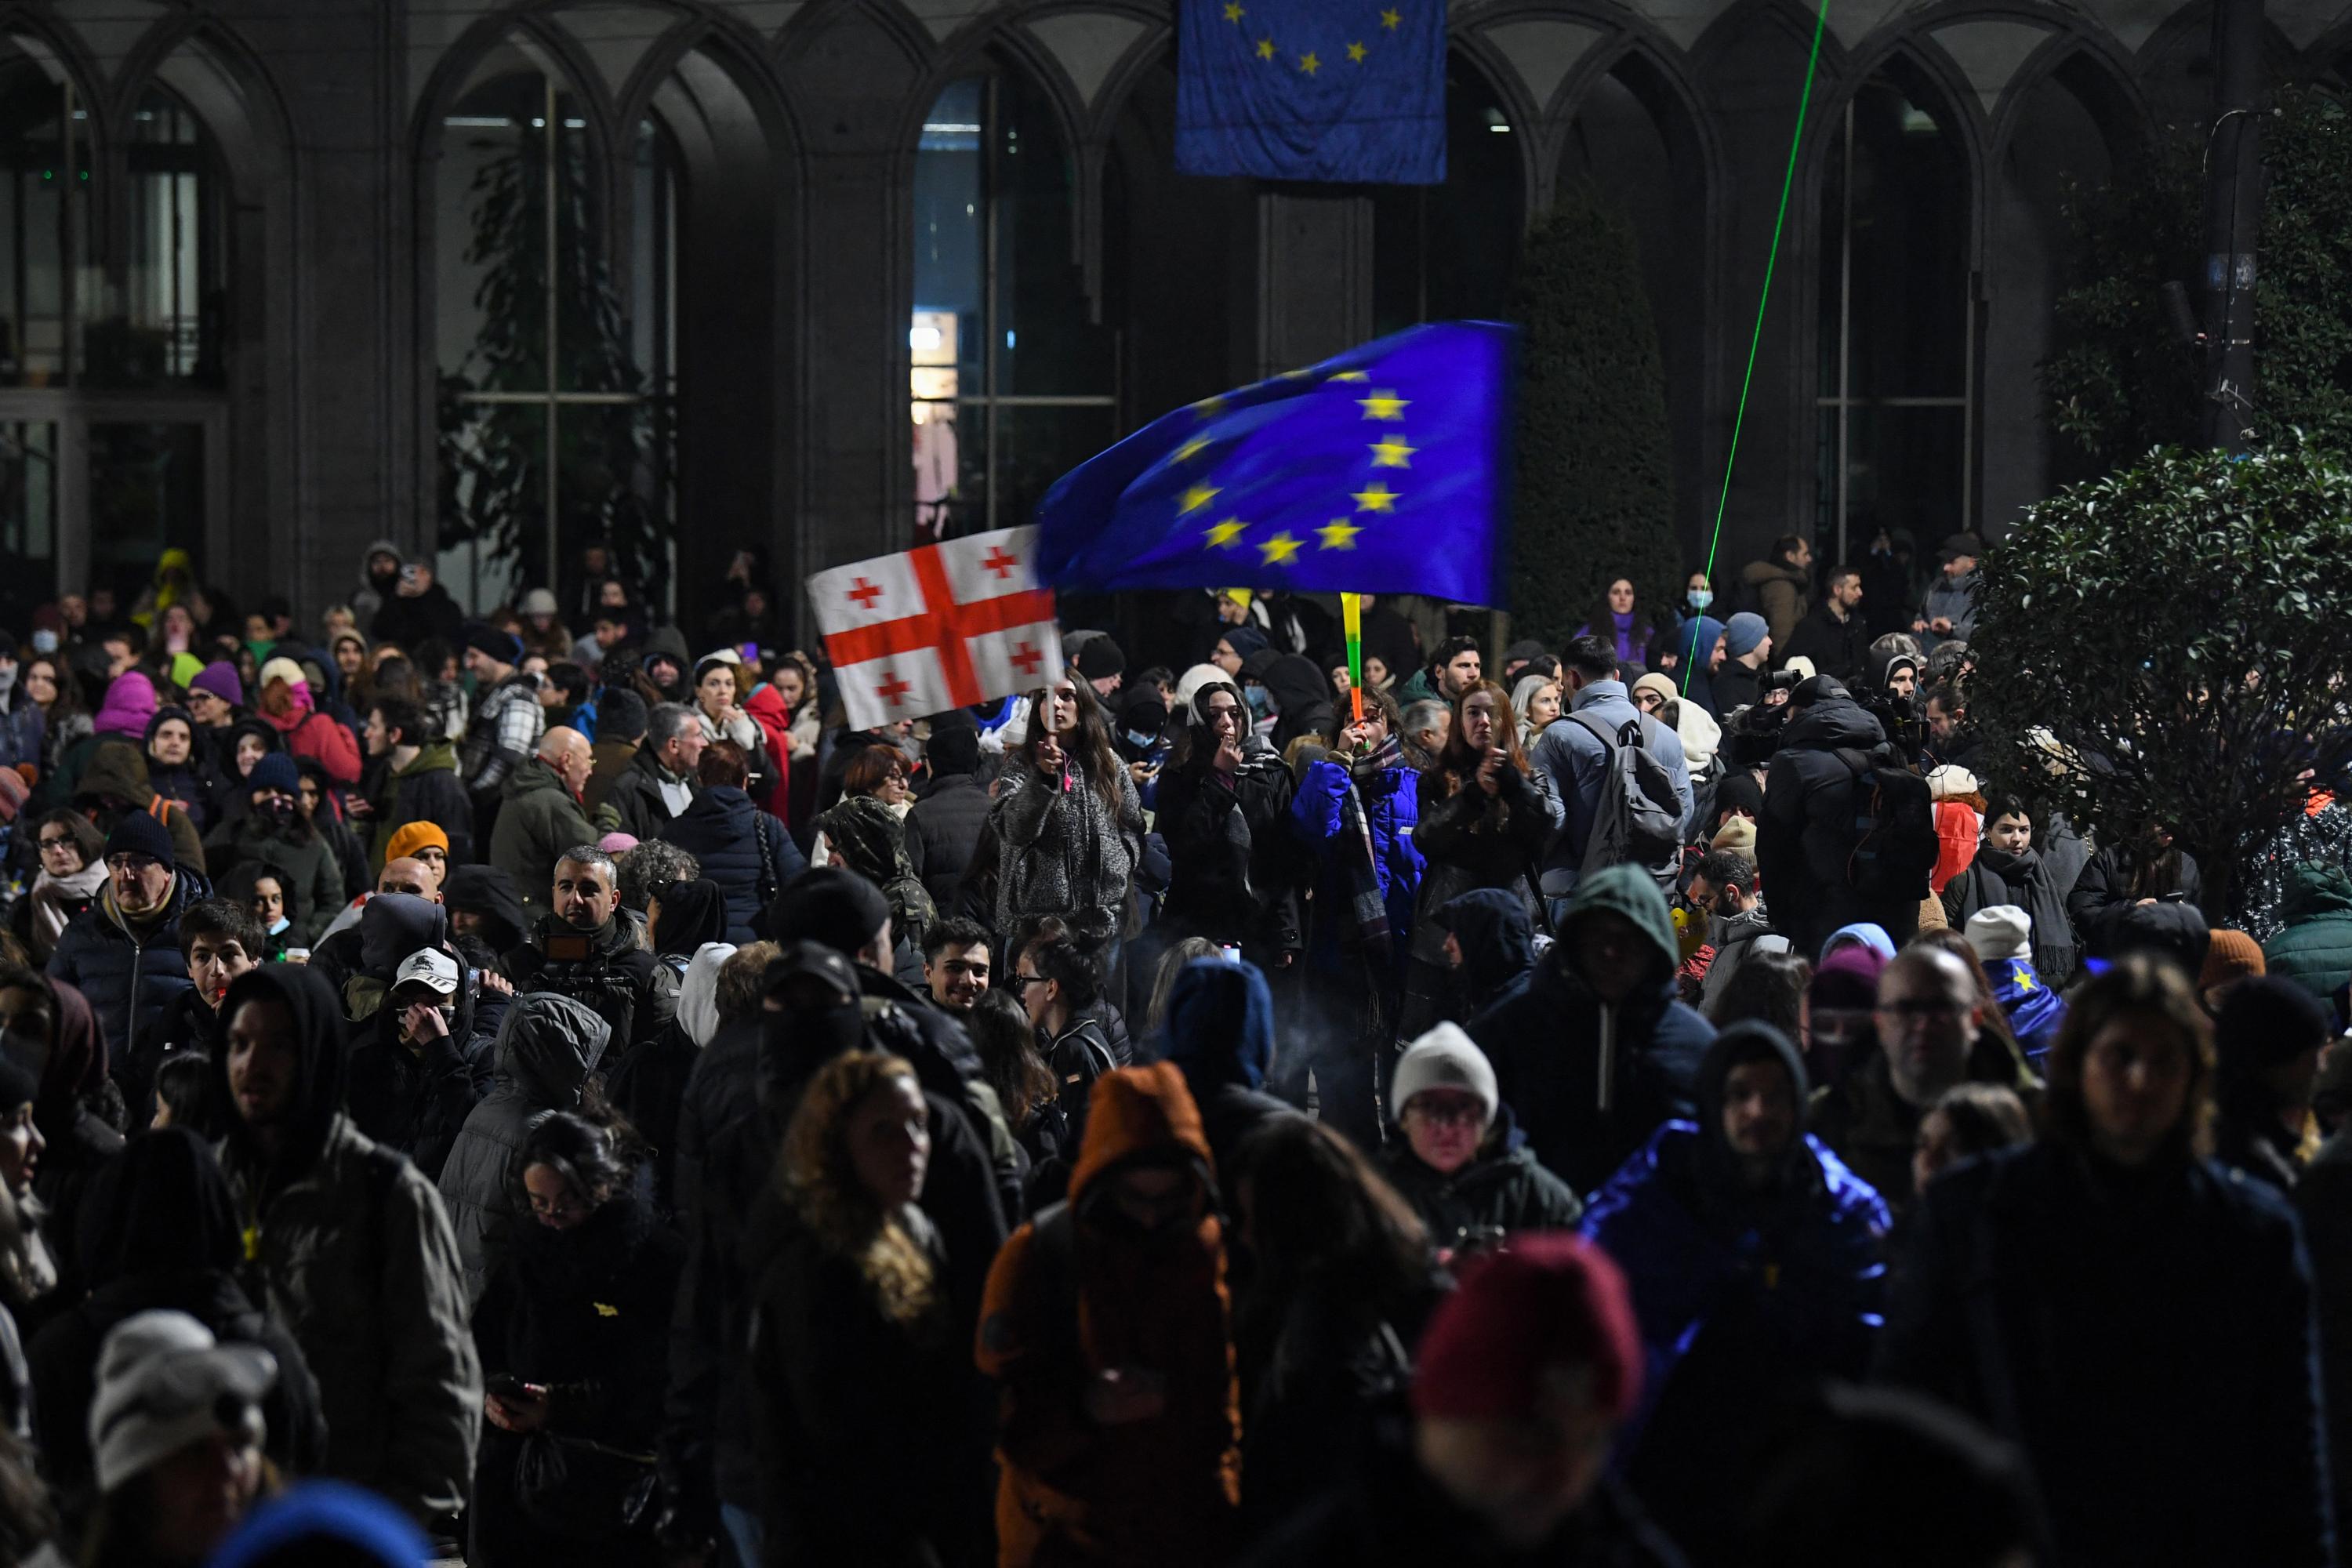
(544, 1084)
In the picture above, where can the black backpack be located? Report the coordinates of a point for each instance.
(1896, 847)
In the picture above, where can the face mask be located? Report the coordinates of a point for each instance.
(277, 927)
(45, 641)
(1700, 598)
(277, 813)
(1141, 742)
(1261, 700)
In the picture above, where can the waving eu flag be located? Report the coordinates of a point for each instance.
(1312, 89)
(1381, 471)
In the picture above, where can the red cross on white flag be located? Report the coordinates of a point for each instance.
(942, 625)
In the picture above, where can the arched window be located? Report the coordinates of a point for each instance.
(1014, 382)
(554, 381)
(1446, 252)
(1897, 325)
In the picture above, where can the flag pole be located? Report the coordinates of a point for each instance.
(1351, 613)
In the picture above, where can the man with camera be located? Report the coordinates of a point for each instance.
(584, 949)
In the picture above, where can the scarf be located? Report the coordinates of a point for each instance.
(57, 900)
(2055, 949)
(1367, 911)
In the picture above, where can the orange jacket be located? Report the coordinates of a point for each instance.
(1143, 1493)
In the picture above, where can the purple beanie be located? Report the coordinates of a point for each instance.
(129, 704)
(219, 678)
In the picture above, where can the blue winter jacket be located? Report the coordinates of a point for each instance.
(1579, 763)
(720, 829)
(1392, 808)
(1813, 1270)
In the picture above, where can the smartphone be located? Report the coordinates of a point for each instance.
(1231, 952)
(505, 1384)
(751, 652)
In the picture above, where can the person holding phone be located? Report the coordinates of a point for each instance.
(1224, 810)
(1068, 818)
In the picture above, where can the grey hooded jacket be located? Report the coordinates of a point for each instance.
(547, 1046)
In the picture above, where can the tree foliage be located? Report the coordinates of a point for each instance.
(2176, 630)
(2120, 381)
(1594, 497)
(612, 461)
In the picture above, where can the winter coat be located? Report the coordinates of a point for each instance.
(1501, 1189)
(943, 832)
(1837, 647)
(584, 1313)
(160, 1231)
(2028, 882)
(1497, 941)
(1072, 1295)
(1578, 766)
(414, 1100)
(408, 619)
(539, 820)
(1543, 1036)
(1469, 839)
(115, 783)
(1235, 868)
(740, 847)
(649, 1087)
(1952, 599)
(307, 864)
(1807, 834)
(633, 801)
(1777, 591)
(612, 759)
(130, 974)
(321, 736)
(1736, 941)
(1219, 1034)
(2318, 834)
(503, 734)
(1873, 1128)
(180, 783)
(2116, 1324)
(349, 1249)
(2101, 901)
(1392, 810)
(2315, 951)
(852, 1405)
(1064, 853)
(426, 790)
(547, 1046)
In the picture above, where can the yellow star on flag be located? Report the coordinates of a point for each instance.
(1384, 403)
(1266, 48)
(1374, 497)
(1355, 52)
(1310, 62)
(2022, 978)
(1391, 452)
(1351, 375)
(1196, 497)
(1221, 535)
(1338, 534)
(1209, 405)
(1390, 20)
(1279, 550)
(1234, 12)
(1191, 449)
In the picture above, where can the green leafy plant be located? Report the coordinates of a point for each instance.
(612, 461)
(2120, 381)
(1595, 490)
(2165, 646)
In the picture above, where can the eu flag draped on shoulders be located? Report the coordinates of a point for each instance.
(1346, 91)
(1380, 472)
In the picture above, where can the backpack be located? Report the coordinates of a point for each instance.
(1639, 818)
(1895, 842)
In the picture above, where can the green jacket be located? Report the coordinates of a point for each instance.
(2315, 951)
(539, 820)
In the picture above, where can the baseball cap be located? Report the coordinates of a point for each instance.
(428, 967)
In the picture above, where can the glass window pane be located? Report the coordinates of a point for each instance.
(1904, 471)
(28, 504)
(1045, 344)
(1910, 251)
(494, 487)
(146, 496)
(44, 217)
(166, 329)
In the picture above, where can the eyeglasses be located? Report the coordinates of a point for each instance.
(1448, 1113)
(1023, 982)
(62, 841)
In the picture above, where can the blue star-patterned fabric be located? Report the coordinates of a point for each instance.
(1346, 91)
(1384, 470)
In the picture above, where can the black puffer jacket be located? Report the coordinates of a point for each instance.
(1502, 1189)
(1807, 833)
(943, 832)
(2102, 901)
(131, 973)
(742, 848)
(629, 988)
(1236, 868)
(414, 1100)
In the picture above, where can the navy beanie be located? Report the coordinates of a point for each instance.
(140, 834)
(276, 770)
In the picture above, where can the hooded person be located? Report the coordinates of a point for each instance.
(486, 915)
(1458, 1157)
(686, 917)
(274, 834)
(1695, 642)
(1592, 1049)
(1755, 1259)
(53, 1037)
(348, 1248)
(173, 764)
(1489, 931)
(412, 1069)
(2267, 1045)
(2314, 947)
(379, 580)
(160, 1233)
(114, 786)
(1219, 1034)
(1806, 839)
(123, 953)
(1119, 1443)
(547, 1046)
(287, 703)
(129, 708)
(1302, 702)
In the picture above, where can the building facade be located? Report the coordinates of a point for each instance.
(804, 277)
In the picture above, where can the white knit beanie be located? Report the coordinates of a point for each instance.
(1444, 1057)
(2000, 932)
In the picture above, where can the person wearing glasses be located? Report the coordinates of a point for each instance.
(573, 1335)
(1458, 1157)
(1928, 1021)
(72, 871)
(123, 951)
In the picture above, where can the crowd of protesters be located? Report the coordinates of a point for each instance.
(521, 1088)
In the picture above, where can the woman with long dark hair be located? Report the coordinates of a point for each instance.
(64, 720)
(1633, 636)
(1068, 818)
(72, 859)
(573, 1333)
(1485, 813)
(873, 1445)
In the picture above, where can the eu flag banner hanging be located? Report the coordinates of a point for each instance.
(1346, 90)
(1380, 472)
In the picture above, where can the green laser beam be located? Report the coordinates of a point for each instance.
(1755, 341)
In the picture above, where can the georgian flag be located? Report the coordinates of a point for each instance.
(941, 626)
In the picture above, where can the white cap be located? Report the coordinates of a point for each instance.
(428, 966)
(1999, 932)
(1444, 1057)
(163, 1382)
(1950, 783)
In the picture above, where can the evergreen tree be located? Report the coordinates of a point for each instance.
(1595, 490)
